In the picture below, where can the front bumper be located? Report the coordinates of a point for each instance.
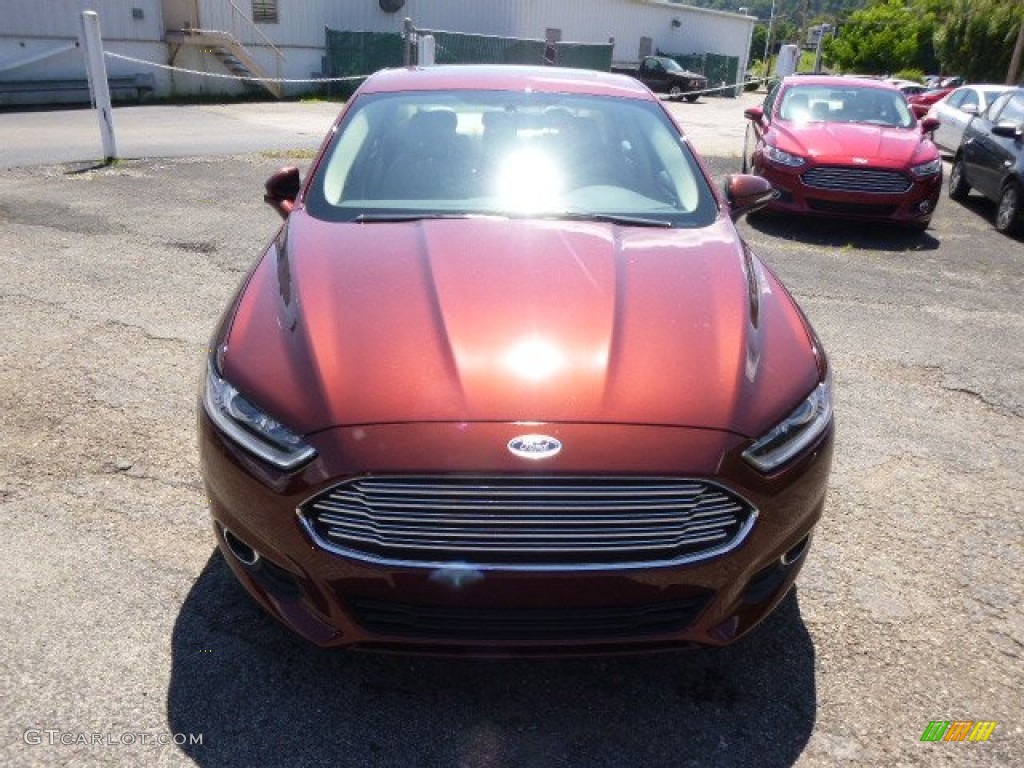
(916, 205)
(333, 600)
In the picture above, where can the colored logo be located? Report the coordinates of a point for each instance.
(958, 730)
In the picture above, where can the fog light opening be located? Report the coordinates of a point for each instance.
(242, 551)
(795, 552)
(924, 206)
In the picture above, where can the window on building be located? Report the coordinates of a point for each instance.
(646, 46)
(264, 11)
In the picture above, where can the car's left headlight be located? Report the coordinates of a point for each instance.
(927, 169)
(250, 427)
(793, 434)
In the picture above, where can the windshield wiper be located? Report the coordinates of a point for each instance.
(610, 218)
(373, 218)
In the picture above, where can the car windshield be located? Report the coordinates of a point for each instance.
(845, 104)
(498, 153)
(671, 65)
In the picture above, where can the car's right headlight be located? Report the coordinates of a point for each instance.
(250, 427)
(782, 157)
(793, 434)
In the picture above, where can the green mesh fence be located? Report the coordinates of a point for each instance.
(717, 68)
(691, 61)
(721, 70)
(461, 48)
(584, 55)
(358, 53)
(363, 53)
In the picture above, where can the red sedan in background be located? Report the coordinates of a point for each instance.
(847, 148)
(508, 379)
(922, 102)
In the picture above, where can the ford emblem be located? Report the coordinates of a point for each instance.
(534, 446)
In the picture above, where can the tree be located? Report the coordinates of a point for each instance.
(886, 37)
(977, 39)
(782, 32)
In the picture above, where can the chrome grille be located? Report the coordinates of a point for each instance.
(867, 180)
(528, 522)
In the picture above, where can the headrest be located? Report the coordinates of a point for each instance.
(434, 124)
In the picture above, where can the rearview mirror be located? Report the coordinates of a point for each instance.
(754, 113)
(282, 189)
(746, 193)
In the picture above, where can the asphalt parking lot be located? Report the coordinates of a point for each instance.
(123, 630)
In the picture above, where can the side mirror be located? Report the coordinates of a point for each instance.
(746, 193)
(1008, 130)
(282, 189)
(929, 124)
(970, 109)
(754, 113)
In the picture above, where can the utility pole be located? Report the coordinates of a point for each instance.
(823, 29)
(768, 40)
(408, 34)
(1013, 73)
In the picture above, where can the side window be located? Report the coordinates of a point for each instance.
(970, 98)
(996, 107)
(1013, 111)
(956, 98)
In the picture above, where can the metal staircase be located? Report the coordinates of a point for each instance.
(235, 57)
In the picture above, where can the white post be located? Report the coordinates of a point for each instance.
(96, 69)
(426, 51)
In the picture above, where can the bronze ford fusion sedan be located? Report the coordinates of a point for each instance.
(508, 380)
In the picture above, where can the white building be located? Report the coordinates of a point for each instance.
(285, 38)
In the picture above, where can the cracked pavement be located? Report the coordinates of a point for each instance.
(119, 617)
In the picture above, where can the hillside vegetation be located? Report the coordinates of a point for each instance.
(972, 38)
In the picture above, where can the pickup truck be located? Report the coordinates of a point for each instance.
(664, 75)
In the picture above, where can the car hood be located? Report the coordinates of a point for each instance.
(497, 320)
(842, 142)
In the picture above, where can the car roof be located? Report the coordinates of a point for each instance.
(505, 77)
(1001, 87)
(838, 81)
